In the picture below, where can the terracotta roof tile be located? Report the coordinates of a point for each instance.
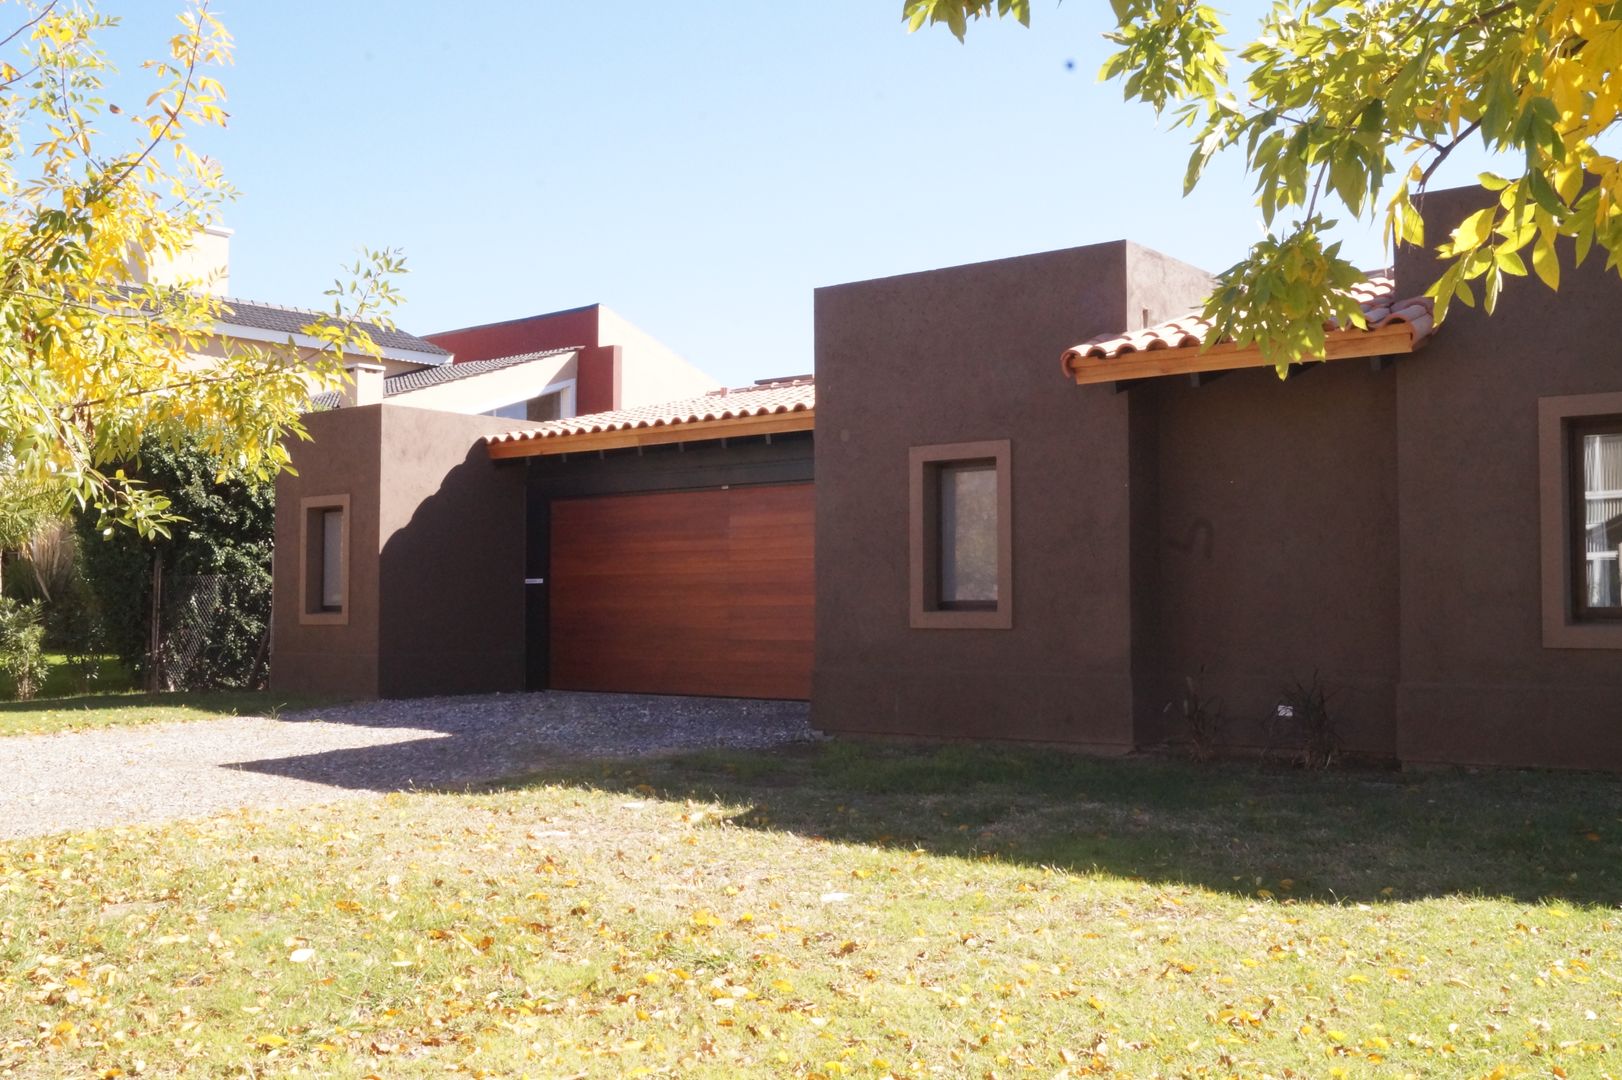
(762, 399)
(423, 378)
(1377, 296)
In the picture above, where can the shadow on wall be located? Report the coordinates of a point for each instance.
(451, 588)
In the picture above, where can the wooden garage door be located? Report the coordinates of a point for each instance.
(691, 592)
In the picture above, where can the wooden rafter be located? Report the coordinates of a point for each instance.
(1392, 339)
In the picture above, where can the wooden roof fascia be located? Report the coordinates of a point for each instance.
(1393, 338)
(732, 427)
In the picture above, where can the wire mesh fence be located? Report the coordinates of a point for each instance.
(200, 637)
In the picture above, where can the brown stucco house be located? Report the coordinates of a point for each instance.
(1036, 505)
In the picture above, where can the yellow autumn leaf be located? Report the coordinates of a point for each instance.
(1474, 230)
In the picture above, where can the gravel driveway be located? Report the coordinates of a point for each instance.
(113, 776)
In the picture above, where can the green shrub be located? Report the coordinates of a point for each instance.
(224, 542)
(22, 647)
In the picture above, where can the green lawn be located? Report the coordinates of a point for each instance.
(841, 910)
(112, 702)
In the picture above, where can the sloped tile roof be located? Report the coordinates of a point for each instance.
(423, 378)
(1377, 296)
(762, 399)
(291, 320)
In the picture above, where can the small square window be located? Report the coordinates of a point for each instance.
(961, 553)
(1596, 527)
(324, 559)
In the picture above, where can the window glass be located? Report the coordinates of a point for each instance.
(332, 560)
(1601, 458)
(518, 410)
(968, 535)
(543, 407)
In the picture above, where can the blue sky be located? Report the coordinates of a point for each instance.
(700, 167)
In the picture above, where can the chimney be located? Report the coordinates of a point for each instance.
(205, 264)
(364, 384)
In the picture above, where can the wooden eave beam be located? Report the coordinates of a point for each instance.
(1393, 338)
(735, 427)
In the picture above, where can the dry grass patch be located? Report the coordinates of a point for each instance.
(50, 716)
(839, 912)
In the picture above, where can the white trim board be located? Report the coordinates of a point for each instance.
(305, 341)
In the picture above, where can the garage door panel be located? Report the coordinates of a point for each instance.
(707, 592)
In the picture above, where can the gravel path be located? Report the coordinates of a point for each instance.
(113, 776)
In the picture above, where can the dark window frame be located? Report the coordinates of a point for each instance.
(925, 466)
(1577, 520)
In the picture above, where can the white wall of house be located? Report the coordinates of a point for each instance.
(650, 371)
(481, 393)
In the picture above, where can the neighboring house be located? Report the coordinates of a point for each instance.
(1017, 536)
(617, 365)
(542, 367)
(260, 324)
(531, 386)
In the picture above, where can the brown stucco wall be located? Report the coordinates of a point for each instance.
(1376, 526)
(342, 459)
(436, 560)
(960, 355)
(451, 531)
(1272, 548)
(1478, 685)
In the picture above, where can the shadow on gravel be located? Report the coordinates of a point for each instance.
(1366, 836)
(450, 743)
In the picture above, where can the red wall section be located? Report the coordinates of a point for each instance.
(557, 330)
(597, 388)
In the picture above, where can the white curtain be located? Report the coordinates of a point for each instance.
(1602, 503)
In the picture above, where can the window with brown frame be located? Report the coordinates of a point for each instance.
(1580, 515)
(961, 536)
(1596, 523)
(324, 559)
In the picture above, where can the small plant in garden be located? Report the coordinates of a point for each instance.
(1303, 723)
(1203, 718)
(84, 665)
(22, 647)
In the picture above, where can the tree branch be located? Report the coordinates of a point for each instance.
(46, 10)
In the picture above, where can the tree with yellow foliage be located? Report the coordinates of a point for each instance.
(90, 188)
(1359, 103)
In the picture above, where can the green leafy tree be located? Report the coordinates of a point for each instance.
(92, 366)
(223, 532)
(26, 507)
(1358, 104)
